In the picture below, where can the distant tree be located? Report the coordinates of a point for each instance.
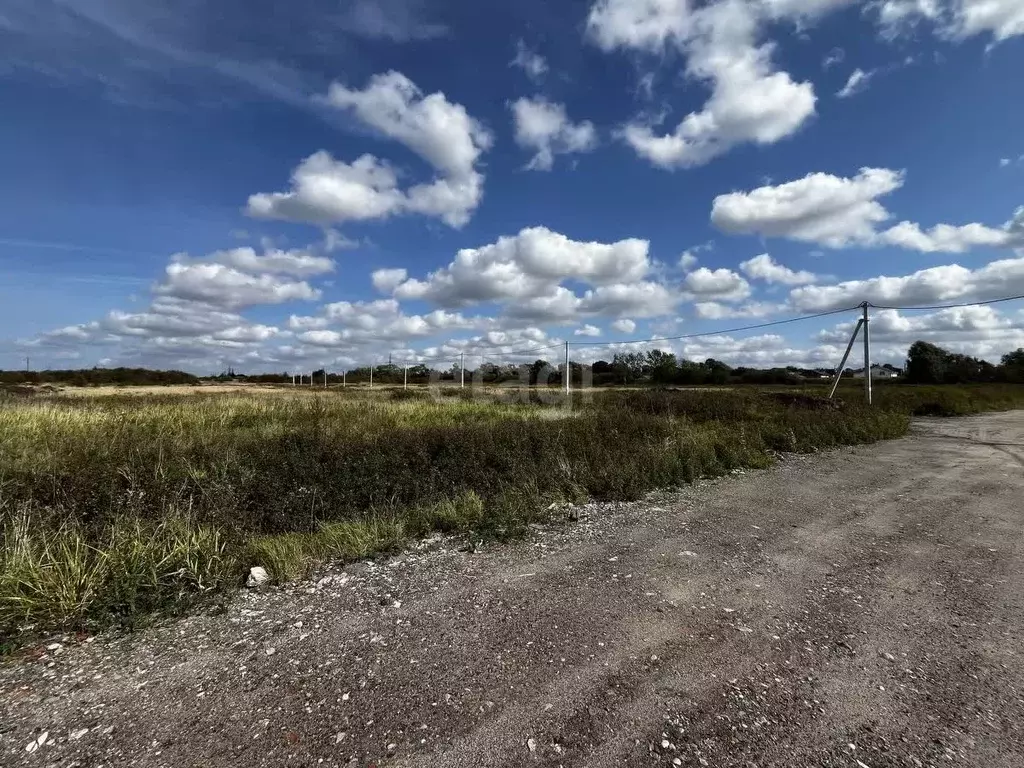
(926, 363)
(604, 373)
(691, 373)
(97, 376)
(718, 372)
(661, 366)
(629, 366)
(537, 367)
(1013, 366)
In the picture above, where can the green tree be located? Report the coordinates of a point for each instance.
(662, 366)
(718, 372)
(1013, 366)
(629, 366)
(926, 363)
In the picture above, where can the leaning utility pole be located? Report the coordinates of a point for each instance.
(862, 322)
(846, 355)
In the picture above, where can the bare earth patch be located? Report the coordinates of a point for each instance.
(858, 608)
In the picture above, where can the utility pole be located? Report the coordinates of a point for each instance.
(846, 355)
(311, 378)
(867, 355)
(325, 377)
(566, 374)
(462, 368)
(405, 380)
(344, 377)
(371, 374)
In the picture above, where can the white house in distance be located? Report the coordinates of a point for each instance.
(880, 372)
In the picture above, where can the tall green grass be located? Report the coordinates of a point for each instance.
(117, 508)
(62, 576)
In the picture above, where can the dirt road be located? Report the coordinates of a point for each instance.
(859, 608)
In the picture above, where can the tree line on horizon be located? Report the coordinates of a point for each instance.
(926, 364)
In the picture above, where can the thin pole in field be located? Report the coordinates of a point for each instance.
(344, 376)
(867, 355)
(325, 377)
(405, 381)
(371, 374)
(567, 367)
(462, 368)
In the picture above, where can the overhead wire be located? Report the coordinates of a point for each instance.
(719, 332)
(513, 353)
(702, 334)
(948, 306)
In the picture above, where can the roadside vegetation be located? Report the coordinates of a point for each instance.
(118, 508)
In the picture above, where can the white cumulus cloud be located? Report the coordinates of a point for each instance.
(223, 286)
(439, 131)
(298, 263)
(386, 280)
(713, 310)
(544, 128)
(948, 283)
(839, 212)
(528, 265)
(722, 284)
(764, 267)
(819, 208)
(325, 190)
(751, 100)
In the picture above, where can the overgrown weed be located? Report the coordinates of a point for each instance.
(118, 508)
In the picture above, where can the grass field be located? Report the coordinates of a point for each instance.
(116, 507)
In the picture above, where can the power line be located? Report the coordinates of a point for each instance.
(702, 334)
(513, 353)
(522, 352)
(950, 306)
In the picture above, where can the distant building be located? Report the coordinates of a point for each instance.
(880, 372)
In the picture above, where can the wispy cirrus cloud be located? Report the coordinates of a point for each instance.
(139, 52)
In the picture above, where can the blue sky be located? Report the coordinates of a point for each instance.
(278, 187)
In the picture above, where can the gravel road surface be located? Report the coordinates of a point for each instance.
(860, 608)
